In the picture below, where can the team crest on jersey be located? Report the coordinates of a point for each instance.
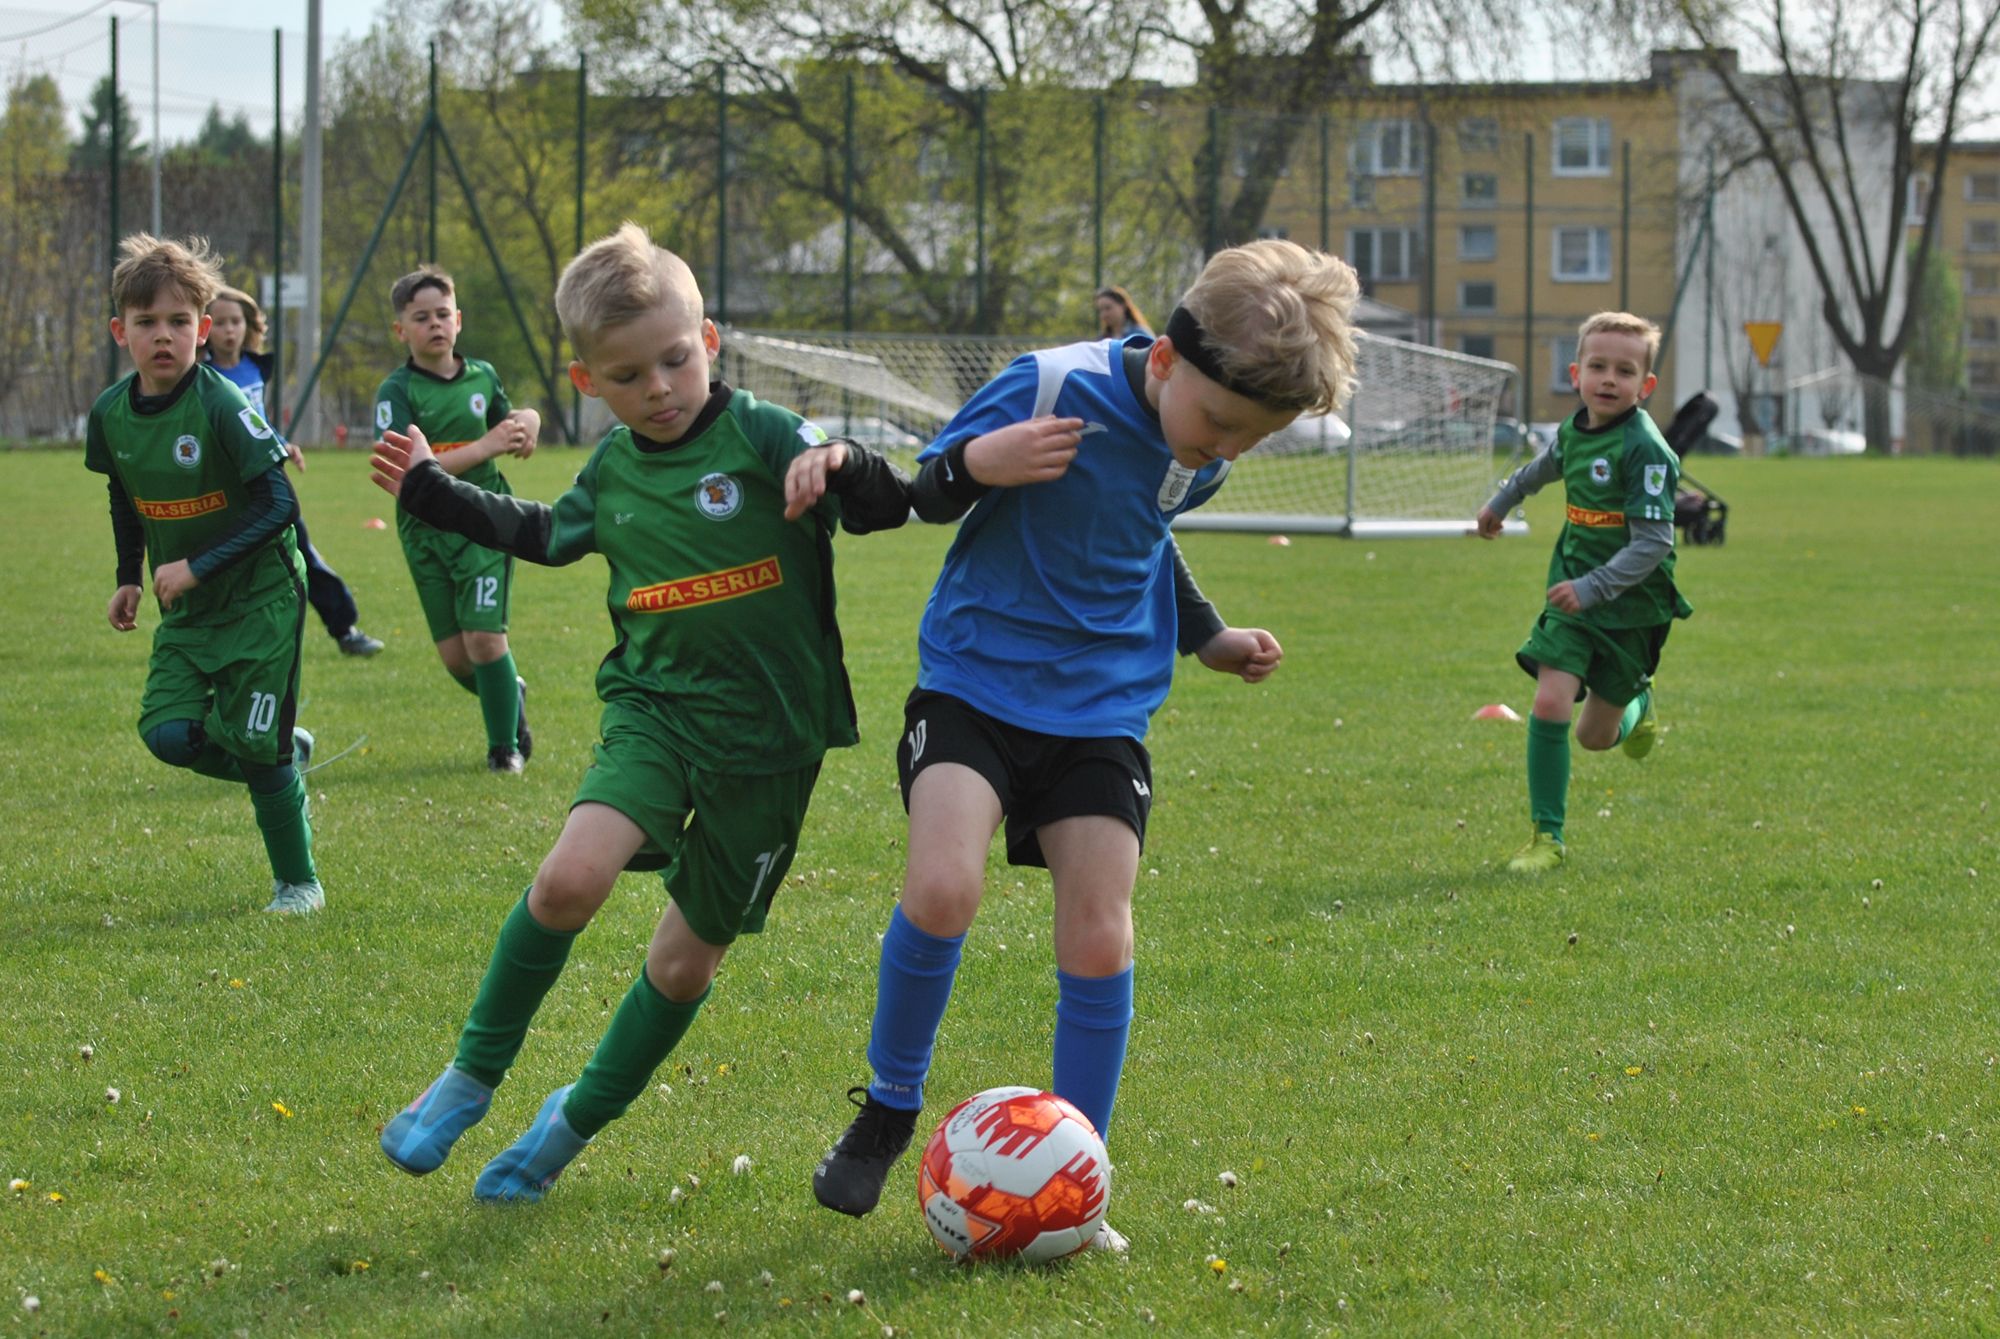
(385, 417)
(1656, 479)
(812, 434)
(477, 404)
(1600, 471)
(718, 497)
(1174, 488)
(187, 452)
(253, 423)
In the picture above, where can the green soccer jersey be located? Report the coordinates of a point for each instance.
(452, 412)
(1625, 469)
(723, 610)
(185, 466)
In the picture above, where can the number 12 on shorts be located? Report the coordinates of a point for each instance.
(486, 592)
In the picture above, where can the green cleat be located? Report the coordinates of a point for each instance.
(1542, 853)
(1639, 742)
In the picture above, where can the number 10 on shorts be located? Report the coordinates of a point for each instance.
(263, 711)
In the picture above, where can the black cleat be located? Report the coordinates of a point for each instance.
(521, 731)
(849, 1178)
(500, 758)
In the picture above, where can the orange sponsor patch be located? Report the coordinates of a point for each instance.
(663, 597)
(439, 448)
(1596, 520)
(182, 508)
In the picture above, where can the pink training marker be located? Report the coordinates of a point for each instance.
(1496, 711)
(1282, 541)
(375, 523)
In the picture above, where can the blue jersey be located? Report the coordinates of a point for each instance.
(1055, 608)
(249, 376)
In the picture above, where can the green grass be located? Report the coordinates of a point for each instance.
(1753, 1093)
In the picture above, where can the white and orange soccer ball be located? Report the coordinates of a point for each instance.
(1014, 1172)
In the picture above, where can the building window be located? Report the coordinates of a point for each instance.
(1382, 255)
(1562, 352)
(1982, 188)
(1280, 233)
(1582, 255)
(1982, 234)
(1478, 242)
(1920, 197)
(1361, 192)
(1388, 149)
(1982, 278)
(1583, 146)
(1982, 331)
(1479, 134)
(1477, 297)
(1982, 373)
(1479, 190)
(1479, 346)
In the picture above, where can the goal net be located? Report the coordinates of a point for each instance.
(1411, 454)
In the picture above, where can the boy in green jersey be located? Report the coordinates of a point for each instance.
(197, 485)
(1611, 596)
(723, 690)
(465, 588)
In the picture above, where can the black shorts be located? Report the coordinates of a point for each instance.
(1039, 778)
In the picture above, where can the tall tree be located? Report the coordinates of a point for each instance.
(1844, 78)
(1936, 355)
(34, 142)
(93, 151)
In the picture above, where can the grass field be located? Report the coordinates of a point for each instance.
(1732, 1070)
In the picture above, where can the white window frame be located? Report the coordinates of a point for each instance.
(1992, 273)
(1982, 234)
(1366, 153)
(1600, 256)
(1982, 188)
(1471, 201)
(1374, 274)
(1596, 143)
(1464, 301)
(1981, 332)
(1562, 352)
(1466, 252)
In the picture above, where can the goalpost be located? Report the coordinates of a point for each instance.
(1411, 455)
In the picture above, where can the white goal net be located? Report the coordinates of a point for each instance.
(1412, 454)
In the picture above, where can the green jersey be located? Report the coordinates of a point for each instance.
(452, 412)
(1623, 470)
(185, 465)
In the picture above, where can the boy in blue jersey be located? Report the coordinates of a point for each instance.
(1049, 641)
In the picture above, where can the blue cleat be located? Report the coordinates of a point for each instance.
(531, 1164)
(421, 1135)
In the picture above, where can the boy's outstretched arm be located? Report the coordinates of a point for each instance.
(1035, 451)
(1251, 654)
(1544, 469)
(874, 494)
(404, 467)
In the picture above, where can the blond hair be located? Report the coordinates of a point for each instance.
(405, 289)
(254, 324)
(620, 278)
(150, 268)
(1621, 323)
(1277, 319)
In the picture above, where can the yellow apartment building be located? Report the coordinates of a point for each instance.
(1968, 233)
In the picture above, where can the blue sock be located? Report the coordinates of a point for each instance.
(1093, 1020)
(911, 991)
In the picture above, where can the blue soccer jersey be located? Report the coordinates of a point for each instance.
(249, 377)
(1055, 608)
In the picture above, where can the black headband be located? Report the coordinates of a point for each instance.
(1190, 341)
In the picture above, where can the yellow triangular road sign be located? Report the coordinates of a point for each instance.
(1763, 339)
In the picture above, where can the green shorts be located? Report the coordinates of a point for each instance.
(722, 842)
(463, 586)
(240, 679)
(1614, 663)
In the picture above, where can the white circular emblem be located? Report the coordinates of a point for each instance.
(1600, 470)
(478, 403)
(718, 497)
(187, 452)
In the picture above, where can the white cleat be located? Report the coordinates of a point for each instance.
(1109, 1238)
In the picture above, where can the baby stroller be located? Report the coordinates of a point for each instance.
(1701, 516)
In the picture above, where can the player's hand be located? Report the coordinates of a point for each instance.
(805, 480)
(528, 427)
(396, 455)
(123, 611)
(1024, 453)
(1251, 654)
(298, 457)
(1563, 596)
(172, 581)
(1489, 523)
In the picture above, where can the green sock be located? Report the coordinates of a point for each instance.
(500, 702)
(469, 682)
(645, 1029)
(279, 797)
(526, 961)
(1635, 711)
(1548, 774)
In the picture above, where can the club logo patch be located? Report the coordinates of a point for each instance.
(1174, 488)
(477, 404)
(718, 497)
(1600, 471)
(1656, 479)
(385, 417)
(254, 424)
(187, 452)
(812, 434)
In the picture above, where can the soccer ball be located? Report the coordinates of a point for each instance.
(1014, 1172)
